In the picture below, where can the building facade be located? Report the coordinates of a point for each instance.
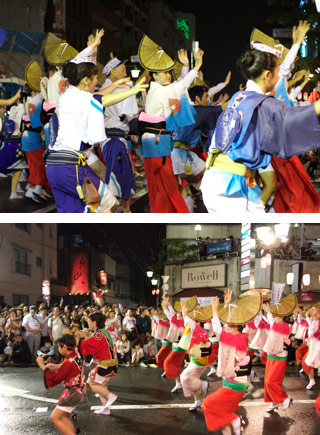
(28, 255)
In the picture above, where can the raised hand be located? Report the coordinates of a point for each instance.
(140, 87)
(183, 57)
(96, 40)
(198, 57)
(228, 78)
(299, 32)
(228, 296)
(215, 303)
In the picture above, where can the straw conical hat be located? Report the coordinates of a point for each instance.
(57, 51)
(241, 311)
(152, 57)
(161, 315)
(201, 314)
(32, 75)
(317, 306)
(257, 35)
(191, 304)
(197, 82)
(286, 306)
(176, 72)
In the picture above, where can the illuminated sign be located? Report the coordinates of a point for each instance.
(184, 26)
(79, 276)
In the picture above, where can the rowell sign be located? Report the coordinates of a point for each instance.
(206, 276)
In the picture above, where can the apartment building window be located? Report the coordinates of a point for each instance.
(24, 227)
(39, 261)
(21, 262)
(2, 300)
(20, 299)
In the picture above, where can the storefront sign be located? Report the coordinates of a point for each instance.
(207, 276)
(216, 248)
(306, 297)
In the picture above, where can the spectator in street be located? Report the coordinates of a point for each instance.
(32, 323)
(123, 350)
(47, 350)
(20, 351)
(137, 354)
(5, 354)
(143, 325)
(113, 326)
(129, 325)
(43, 316)
(202, 249)
(2, 323)
(150, 352)
(13, 325)
(55, 328)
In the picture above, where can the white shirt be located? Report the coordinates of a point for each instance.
(80, 120)
(112, 114)
(157, 102)
(129, 323)
(57, 327)
(33, 321)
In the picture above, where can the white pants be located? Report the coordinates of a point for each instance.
(33, 341)
(180, 159)
(213, 197)
(190, 379)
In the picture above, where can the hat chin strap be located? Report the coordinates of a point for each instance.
(162, 83)
(229, 307)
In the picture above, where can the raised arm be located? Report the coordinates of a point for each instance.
(216, 325)
(11, 100)
(111, 99)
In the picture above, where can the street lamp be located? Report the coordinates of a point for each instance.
(154, 281)
(198, 228)
(149, 274)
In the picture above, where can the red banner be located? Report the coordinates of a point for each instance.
(79, 276)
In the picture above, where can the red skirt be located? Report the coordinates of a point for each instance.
(219, 407)
(295, 193)
(162, 355)
(273, 378)
(37, 168)
(318, 406)
(173, 363)
(251, 353)
(214, 353)
(301, 352)
(164, 194)
(307, 369)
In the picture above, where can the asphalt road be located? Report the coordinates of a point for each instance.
(145, 405)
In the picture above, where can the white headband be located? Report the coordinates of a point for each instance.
(266, 49)
(78, 60)
(112, 64)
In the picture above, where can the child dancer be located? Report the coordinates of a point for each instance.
(71, 374)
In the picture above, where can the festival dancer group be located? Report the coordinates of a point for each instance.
(253, 141)
(195, 338)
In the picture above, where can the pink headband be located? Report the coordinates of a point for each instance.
(265, 48)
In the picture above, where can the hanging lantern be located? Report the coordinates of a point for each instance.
(153, 292)
(157, 291)
(290, 278)
(269, 260)
(264, 263)
(306, 279)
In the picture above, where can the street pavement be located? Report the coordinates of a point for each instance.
(146, 406)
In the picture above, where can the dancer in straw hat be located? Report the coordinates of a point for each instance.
(175, 358)
(200, 354)
(234, 364)
(166, 109)
(311, 360)
(81, 125)
(301, 330)
(251, 130)
(275, 348)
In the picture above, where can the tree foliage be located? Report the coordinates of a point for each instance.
(175, 251)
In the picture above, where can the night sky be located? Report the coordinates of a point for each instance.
(223, 30)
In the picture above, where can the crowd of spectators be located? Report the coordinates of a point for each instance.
(29, 331)
(287, 251)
